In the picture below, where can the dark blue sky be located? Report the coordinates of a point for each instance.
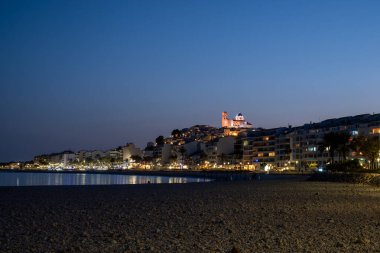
(98, 74)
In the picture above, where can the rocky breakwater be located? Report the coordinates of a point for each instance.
(355, 178)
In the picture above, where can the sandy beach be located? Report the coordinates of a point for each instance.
(275, 214)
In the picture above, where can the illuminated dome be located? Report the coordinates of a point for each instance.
(239, 116)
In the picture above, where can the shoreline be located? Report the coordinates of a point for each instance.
(219, 175)
(372, 179)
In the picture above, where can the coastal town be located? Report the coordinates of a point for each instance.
(236, 145)
(145, 126)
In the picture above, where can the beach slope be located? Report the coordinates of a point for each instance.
(274, 214)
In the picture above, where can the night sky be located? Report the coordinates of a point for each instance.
(98, 74)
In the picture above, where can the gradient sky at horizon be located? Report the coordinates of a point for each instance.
(98, 74)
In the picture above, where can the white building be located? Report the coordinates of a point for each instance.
(68, 158)
(131, 150)
(226, 145)
(238, 122)
(167, 153)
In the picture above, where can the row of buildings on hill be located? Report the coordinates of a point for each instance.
(236, 145)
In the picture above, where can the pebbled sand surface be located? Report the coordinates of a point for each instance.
(275, 214)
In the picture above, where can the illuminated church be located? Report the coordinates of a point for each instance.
(238, 122)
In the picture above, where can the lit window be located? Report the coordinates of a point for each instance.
(354, 133)
(376, 131)
(272, 154)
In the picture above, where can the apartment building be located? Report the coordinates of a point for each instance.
(299, 147)
(305, 140)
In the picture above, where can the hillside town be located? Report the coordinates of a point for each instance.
(236, 145)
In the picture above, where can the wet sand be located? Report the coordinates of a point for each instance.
(275, 214)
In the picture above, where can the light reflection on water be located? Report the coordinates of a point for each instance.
(34, 179)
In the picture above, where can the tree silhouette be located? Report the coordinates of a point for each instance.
(136, 158)
(336, 142)
(160, 140)
(369, 146)
(371, 150)
(176, 133)
(182, 151)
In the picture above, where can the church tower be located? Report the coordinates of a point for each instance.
(225, 121)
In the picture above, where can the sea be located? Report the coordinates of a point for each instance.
(64, 178)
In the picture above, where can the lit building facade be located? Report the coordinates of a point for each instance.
(131, 150)
(238, 122)
(299, 147)
(305, 140)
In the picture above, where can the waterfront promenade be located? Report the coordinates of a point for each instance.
(273, 214)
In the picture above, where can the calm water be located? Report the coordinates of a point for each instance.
(34, 179)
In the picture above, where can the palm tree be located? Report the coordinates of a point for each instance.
(182, 151)
(343, 144)
(329, 144)
(336, 142)
(222, 159)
